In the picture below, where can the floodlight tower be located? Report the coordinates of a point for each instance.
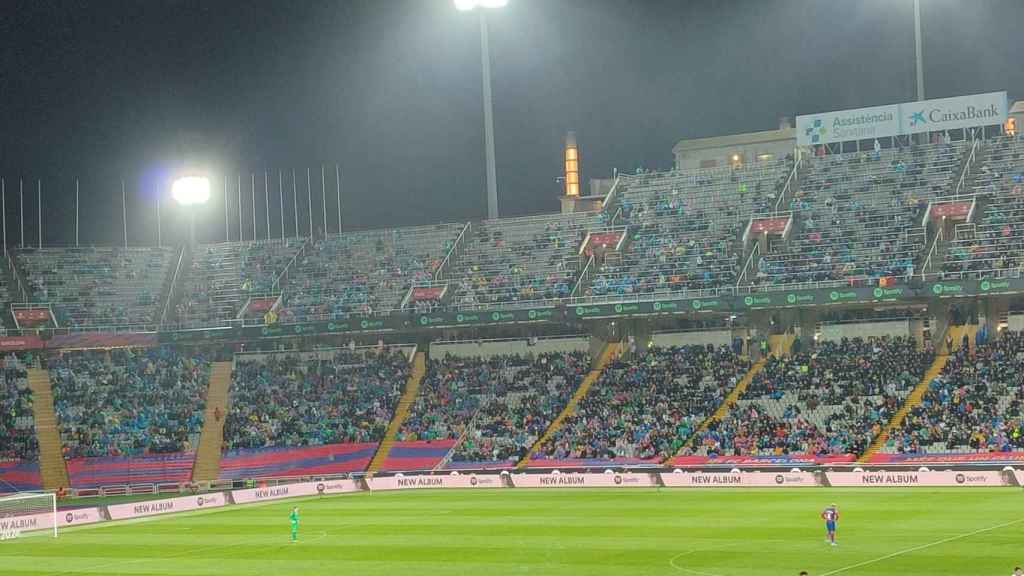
(485, 58)
(191, 192)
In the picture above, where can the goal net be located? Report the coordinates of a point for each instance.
(29, 512)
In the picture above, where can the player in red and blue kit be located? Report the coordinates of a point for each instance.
(831, 515)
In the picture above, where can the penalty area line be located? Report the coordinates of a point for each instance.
(921, 547)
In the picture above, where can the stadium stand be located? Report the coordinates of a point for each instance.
(128, 402)
(17, 425)
(829, 401)
(304, 461)
(365, 272)
(974, 405)
(223, 276)
(98, 287)
(520, 261)
(994, 245)
(495, 407)
(686, 228)
(858, 215)
(289, 400)
(507, 424)
(644, 409)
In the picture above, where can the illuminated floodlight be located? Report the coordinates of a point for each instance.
(191, 190)
(471, 4)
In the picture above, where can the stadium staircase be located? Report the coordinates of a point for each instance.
(207, 465)
(611, 350)
(727, 403)
(915, 396)
(778, 345)
(412, 388)
(51, 460)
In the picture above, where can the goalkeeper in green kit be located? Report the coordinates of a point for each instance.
(294, 518)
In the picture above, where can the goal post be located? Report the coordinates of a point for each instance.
(27, 512)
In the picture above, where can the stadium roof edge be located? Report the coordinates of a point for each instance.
(736, 139)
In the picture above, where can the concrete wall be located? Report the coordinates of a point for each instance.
(716, 337)
(865, 330)
(325, 354)
(499, 347)
(722, 155)
(1014, 322)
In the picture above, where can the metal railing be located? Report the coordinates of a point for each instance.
(931, 252)
(583, 276)
(967, 168)
(754, 252)
(787, 187)
(442, 268)
(174, 282)
(276, 286)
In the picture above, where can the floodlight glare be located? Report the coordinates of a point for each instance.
(470, 4)
(191, 190)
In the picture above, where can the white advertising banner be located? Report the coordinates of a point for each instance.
(152, 507)
(623, 480)
(954, 113)
(738, 479)
(908, 478)
(448, 481)
(293, 490)
(905, 118)
(856, 124)
(78, 516)
(44, 521)
(1019, 474)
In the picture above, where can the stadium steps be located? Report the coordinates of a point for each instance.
(727, 403)
(412, 388)
(207, 465)
(51, 460)
(915, 396)
(611, 350)
(780, 344)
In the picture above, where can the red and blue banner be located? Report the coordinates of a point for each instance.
(416, 455)
(481, 465)
(117, 470)
(780, 460)
(305, 461)
(589, 462)
(950, 458)
(19, 476)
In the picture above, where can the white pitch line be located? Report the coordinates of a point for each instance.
(921, 547)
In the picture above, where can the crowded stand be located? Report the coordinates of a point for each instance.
(128, 402)
(974, 405)
(223, 276)
(364, 272)
(499, 405)
(858, 215)
(520, 261)
(17, 420)
(686, 228)
(313, 399)
(829, 401)
(993, 245)
(647, 406)
(91, 288)
(514, 414)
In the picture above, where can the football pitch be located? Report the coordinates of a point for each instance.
(712, 532)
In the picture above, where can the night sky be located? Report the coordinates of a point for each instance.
(390, 90)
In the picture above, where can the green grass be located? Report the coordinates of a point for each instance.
(712, 532)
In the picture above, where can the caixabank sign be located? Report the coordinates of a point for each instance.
(899, 119)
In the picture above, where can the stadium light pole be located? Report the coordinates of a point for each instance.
(191, 192)
(918, 50)
(485, 59)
